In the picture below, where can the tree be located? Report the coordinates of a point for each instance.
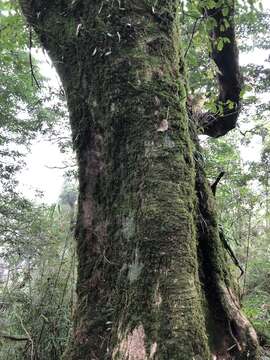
(152, 276)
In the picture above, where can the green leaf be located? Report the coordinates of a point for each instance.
(220, 44)
(225, 11)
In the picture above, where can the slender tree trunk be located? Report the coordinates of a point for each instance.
(152, 277)
(267, 220)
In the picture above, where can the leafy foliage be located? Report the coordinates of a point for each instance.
(37, 255)
(37, 292)
(243, 194)
(26, 109)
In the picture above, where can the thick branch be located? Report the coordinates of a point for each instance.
(229, 76)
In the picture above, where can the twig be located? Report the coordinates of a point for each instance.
(29, 337)
(59, 167)
(13, 337)
(233, 337)
(247, 254)
(192, 35)
(33, 77)
(252, 131)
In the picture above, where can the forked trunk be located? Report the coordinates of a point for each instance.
(152, 276)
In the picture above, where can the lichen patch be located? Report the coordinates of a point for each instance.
(128, 226)
(168, 142)
(134, 271)
(163, 126)
(153, 350)
(157, 296)
(135, 268)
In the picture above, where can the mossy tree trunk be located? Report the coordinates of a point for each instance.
(152, 276)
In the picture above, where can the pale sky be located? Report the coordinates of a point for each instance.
(41, 171)
(38, 175)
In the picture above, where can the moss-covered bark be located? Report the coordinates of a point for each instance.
(144, 255)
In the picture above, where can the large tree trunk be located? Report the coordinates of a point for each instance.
(152, 277)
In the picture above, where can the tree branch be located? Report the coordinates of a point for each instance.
(215, 184)
(13, 337)
(225, 55)
(194, 28)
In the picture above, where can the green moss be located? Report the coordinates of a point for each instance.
(142, 270)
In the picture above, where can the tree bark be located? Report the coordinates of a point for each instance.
(152, 275)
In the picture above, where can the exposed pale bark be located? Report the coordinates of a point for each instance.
(152, 276)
